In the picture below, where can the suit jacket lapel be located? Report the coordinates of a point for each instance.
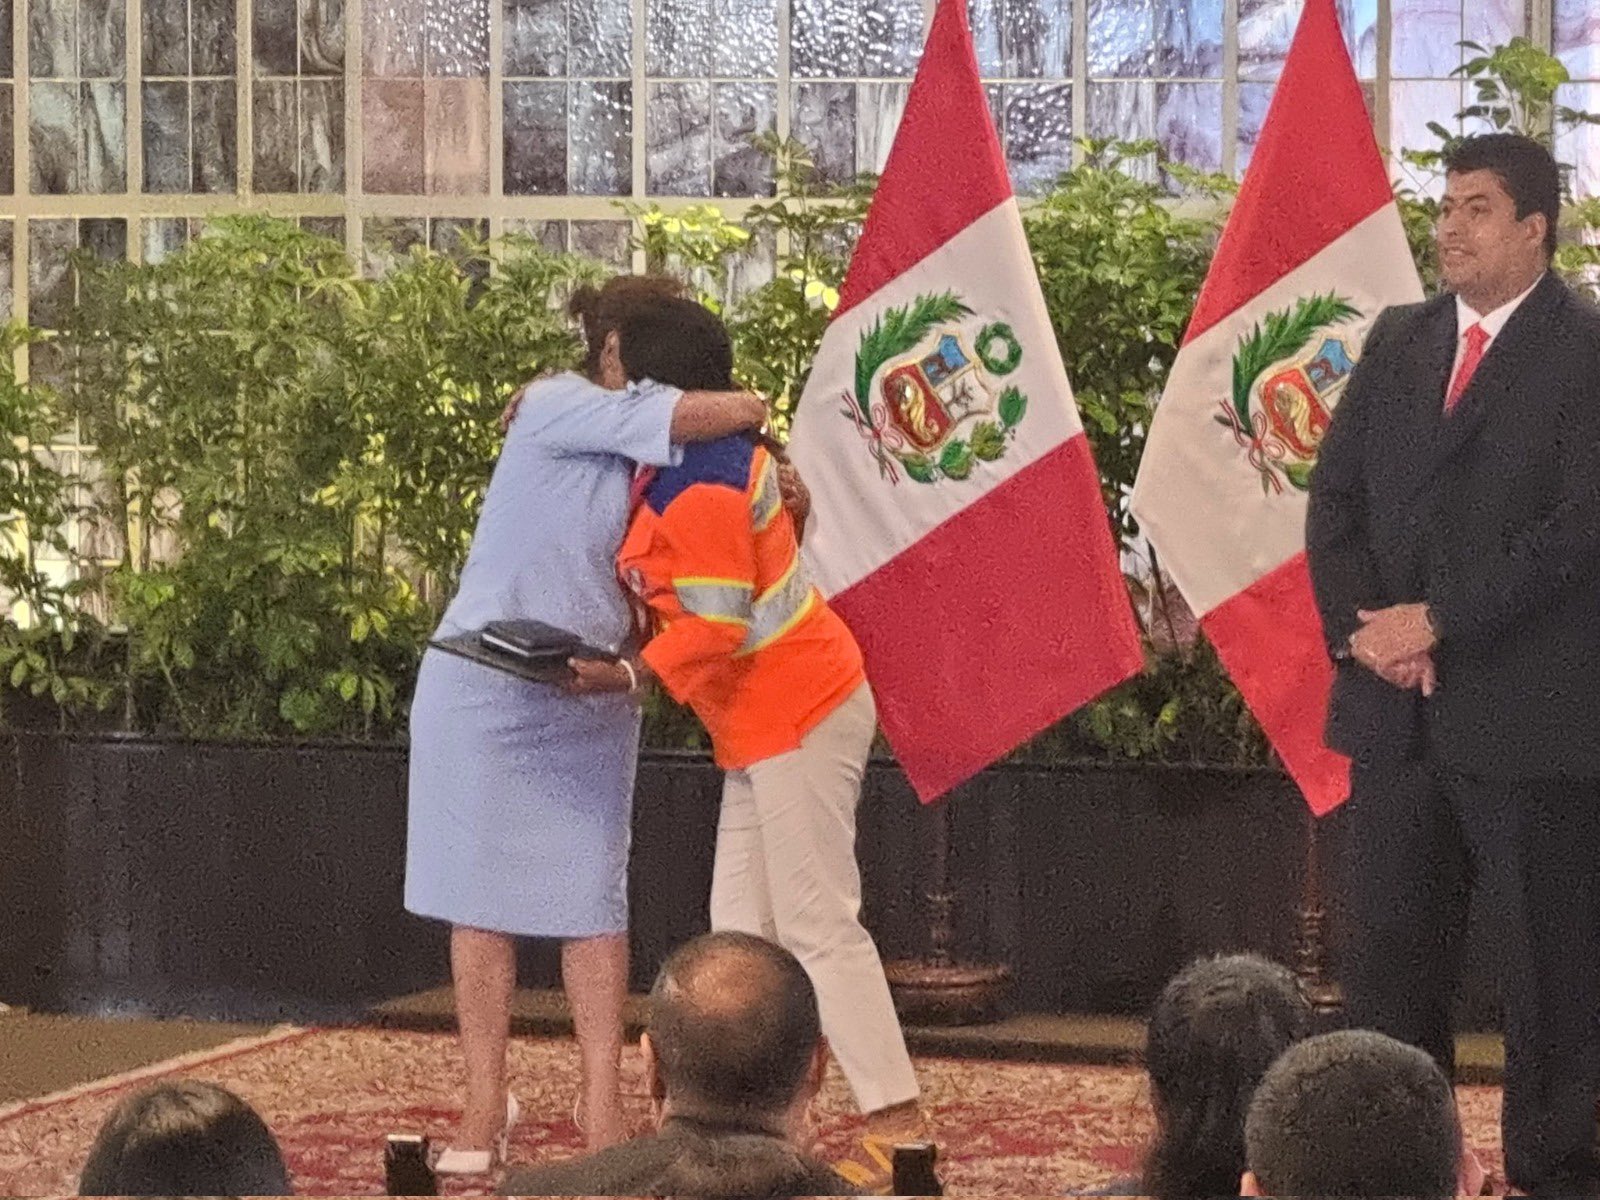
(1504, 364)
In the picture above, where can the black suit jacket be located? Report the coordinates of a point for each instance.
(686, 1159)
(1490, 515)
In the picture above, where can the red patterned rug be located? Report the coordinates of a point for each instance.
(331, 1096)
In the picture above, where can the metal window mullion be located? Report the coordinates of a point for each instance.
(1080, 77)
(22, 169)
(354, 132)
(641, 110)
(1382, 103)
(497, 162)
(1230, 87)
(133, 110)
(244, 155)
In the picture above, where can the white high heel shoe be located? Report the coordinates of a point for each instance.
(480, 1162)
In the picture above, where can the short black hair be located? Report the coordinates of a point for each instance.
(1354, 1113)
(734, 1022)
(184, 1139)
(1525, 169)
(677, 342)
(1217, 1027)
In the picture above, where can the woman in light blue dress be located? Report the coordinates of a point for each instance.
(521, 794)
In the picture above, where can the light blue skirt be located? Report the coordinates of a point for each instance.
(520, 805)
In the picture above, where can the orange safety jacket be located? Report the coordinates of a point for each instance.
(742, 635)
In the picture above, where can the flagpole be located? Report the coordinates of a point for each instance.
(939, 990)
(1321, 990)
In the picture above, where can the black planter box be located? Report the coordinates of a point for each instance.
(264, 880)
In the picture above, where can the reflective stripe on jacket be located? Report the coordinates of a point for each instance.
(742, 635)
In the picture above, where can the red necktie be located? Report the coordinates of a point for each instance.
(1477, 339)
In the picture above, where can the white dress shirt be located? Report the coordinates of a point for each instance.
(1492, 323)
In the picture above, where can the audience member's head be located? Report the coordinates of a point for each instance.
(601, 311)
(1216, 1029)
(734, 1033)
(184, 1139)
(679, 342)
(1353, 1114)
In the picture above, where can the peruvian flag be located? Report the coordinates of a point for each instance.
(1312, 252)
(959, 526)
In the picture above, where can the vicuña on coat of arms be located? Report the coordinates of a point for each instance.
(928, 401)
(1288, 374)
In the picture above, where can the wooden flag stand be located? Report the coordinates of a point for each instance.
(1321, 990)
(938, 990)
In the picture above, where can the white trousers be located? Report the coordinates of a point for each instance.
(786, 870)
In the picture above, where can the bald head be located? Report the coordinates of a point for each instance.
(733, 1019)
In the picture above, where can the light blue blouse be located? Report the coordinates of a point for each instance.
(557, 509)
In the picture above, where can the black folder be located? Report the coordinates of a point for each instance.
(528, 649)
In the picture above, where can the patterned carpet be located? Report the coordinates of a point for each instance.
(332, 1095)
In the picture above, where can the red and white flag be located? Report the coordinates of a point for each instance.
(959, 526)
(1312, 252)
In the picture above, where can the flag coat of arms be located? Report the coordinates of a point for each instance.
(959, 527)
(1313, 250)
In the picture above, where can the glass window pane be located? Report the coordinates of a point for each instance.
(602, 37)
(276, 153)
(891, 33)
(212, 43)
(1189, 39)
(1580, 146)
(744, 111)
(601, 133)
(1412, 105)
(53, 39)
(552, 235)
(166, 37)
(745, 39)
(985, 17)
(824, 41)
(1424, 38)
(273, 38)
(535, 37)
(1494, 22)
(166, 137)
(823, 116)
(53, 138)
(1253, 101)
(391, 38)
(1122, 37)
(103, 39)
(606, 241)
(8, 166)
(386, 240)
(1577, 37)
(215, 105)
(754, 266)
(322, 37)
(163, 237)
(457, 37)
(879, 107)
(455, 142)
(678, 38)
(105, 137)
(322, 135)
(50, 289)
(1127, 112)
(535, 150)
(391, 118)
(1189, 123)
(1038, 134)
(678, 140)
(5, 46)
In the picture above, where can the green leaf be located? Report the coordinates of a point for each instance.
(957, 459)
(919, 468)
(988, 441)
(1013, 407)
(19, 672)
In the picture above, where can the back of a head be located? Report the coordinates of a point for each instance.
(601, 311)
(184, 1139)
(733, 1019)
(1354, 1114)
(680, 343)
(1217, 1027)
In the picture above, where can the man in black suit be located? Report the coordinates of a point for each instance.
(1454, 543)
(734, 1056)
